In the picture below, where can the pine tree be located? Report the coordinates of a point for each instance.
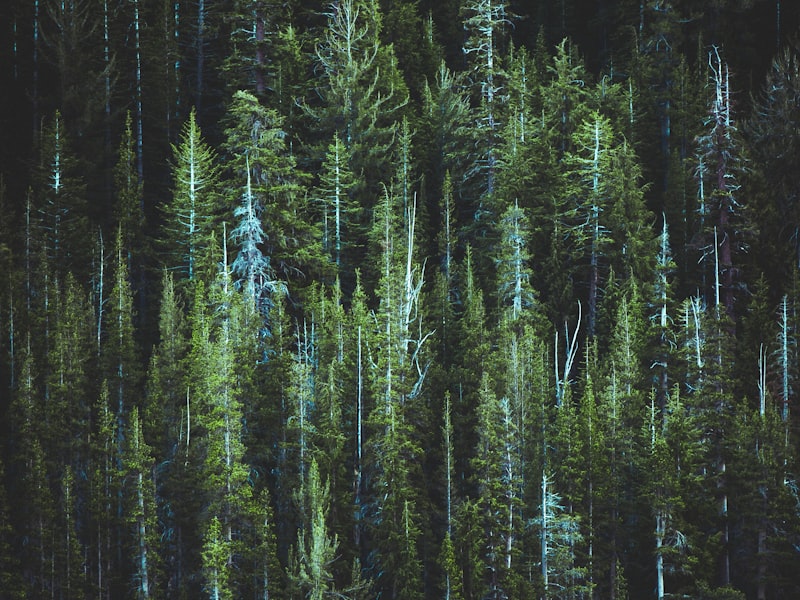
(443, 135)
(105, 485)
(513, 270)
(250, 64)
(67, 575)
(774, 140)
(67, 405)
(396, 380)
(216, 562)
(166, 386)
(721, 212)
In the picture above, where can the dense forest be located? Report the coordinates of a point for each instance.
(399, 299)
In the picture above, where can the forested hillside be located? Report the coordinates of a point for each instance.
(399, 299)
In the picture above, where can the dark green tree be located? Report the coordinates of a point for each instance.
(140, 510)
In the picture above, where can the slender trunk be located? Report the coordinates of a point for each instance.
(11, 339)
(100, 298)
(660, 531)
(35, 68)
(138, 98)
(107, 98)
(144, 582)
(544, 536)
(200, 48)
(338, 208)
(359, 441)
(260, 33)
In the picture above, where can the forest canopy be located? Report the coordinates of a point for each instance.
(399, 299)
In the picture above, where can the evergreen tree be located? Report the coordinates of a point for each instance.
(361, 90)
(61, 200)
(140, 513)
(120, 356)
(66, 403)
(10, 569)
(721, 212)
(397, 416)
(191, 213)
(497, 473)
(335, 186)
(275, 230)
(484, 21)
(443, 136)
(105, 486)
(773, 138)
(315, 550)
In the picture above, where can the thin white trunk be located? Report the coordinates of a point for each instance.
(784, 360)
(571, 348)
(138, 98)
(100, 299)
(338, 205)
(359, 438)
(200, 47)
(544, 536)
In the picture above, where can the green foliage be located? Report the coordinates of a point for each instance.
(191, 214)
(315, 550)
(362, 380)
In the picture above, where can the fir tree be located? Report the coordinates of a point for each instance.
(190, 214)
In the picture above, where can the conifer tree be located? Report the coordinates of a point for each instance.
(191, 213)
(773, 140)
(67, 405)
(250, 64)
(120, 356)
(276, 232)
(484, 21)
(140, 512)
(513, 270)
(36, 516)
(216, 562)
(68, 575)
(397, 378)
(219, 417)
(10, 568)
(166, 385)
(443, 134)
(335, 186)
(105, 483)
(361, 89)
(128, 210)
(721, 211)
(497, 474)
(60, 199)
(316, 549)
